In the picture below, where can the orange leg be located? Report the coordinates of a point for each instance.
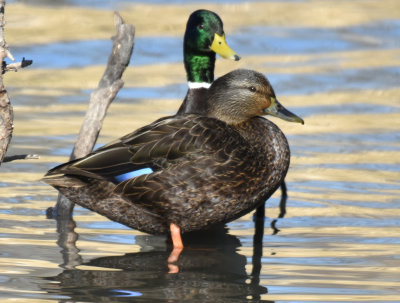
(176, 235)
(177, 243)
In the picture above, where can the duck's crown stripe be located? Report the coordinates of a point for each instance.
(199, 85)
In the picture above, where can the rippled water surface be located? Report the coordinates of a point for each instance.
(337, 67)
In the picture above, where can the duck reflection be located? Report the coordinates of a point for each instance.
(210, 269)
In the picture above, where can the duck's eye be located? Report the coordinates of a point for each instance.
(252, 89)
(200, 26)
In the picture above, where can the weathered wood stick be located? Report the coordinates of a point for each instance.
(6, 110)
(107, 89)
(20, 157)
(15, 66)
(100, 99)
(6, 121)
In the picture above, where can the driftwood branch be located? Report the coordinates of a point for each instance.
(100, 100)
(15, 66)
(6, 110)
(6, 121)
(20, 157)
(107, 89)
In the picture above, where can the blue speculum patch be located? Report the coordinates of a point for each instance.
(133, 174)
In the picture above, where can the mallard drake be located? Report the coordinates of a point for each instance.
(204, 38)
(188, 172)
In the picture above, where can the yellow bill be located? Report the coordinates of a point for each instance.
(220, 47)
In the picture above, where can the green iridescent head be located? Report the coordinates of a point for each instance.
(204, 37)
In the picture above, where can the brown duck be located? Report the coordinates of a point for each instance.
(188, 172)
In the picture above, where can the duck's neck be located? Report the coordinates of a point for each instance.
(200, 75)
(199, 67)
(194, 102)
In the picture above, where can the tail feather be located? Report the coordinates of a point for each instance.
(61, 180)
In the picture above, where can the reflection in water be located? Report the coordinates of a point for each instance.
(260, 212)
(210, 269)
(67, 238)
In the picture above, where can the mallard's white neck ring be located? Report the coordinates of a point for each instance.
(193, 85)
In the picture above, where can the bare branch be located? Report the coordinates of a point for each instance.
(100, 99)
(8, 53)
(107, 89)
(20, 157)
(15, 66)
(6, 110)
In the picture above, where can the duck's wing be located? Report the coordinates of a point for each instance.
(199, 158)
(152, 148)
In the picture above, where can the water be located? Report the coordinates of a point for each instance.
(339, 240)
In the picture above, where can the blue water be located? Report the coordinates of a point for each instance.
(276, 40)
(118, 4)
